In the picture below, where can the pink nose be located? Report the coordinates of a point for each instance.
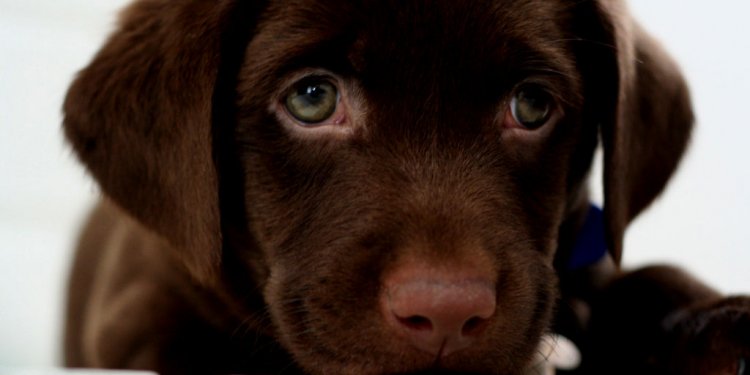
(438, 312)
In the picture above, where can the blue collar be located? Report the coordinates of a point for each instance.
(591, 245)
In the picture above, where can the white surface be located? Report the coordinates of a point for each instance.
(59, 371)
(43, 192)
(702, 222)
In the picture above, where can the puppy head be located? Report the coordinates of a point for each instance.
(401, 170)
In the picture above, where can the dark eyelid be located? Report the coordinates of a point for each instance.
(315, 77)
(542, 85)
(504, 83)
(563, 88)
(550, 67)
(322, 57)
(308, 76)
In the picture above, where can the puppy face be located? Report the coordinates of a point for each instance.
(378, 138)
(395, 178)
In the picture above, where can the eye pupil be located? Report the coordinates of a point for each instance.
(312, 101)
(531, 107)
(313, 93)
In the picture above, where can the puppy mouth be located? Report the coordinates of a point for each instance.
(379, 348)
(403, 359)
(447, 372)
(439, 369)
(554, 352)
(417, 317)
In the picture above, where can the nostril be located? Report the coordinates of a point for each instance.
(416, 323)
(474, 326)
(439, 315)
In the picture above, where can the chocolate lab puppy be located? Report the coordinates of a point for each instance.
(378, 187)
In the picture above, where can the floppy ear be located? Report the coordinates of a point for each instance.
(140, 118)
(644, 111)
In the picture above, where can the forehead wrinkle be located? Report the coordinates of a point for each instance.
(294, 30)
(516, 39)
(537, 44)
(554, 63)
(470, 34)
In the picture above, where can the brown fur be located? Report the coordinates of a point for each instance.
(228, 243)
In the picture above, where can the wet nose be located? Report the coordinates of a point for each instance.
(438, 312)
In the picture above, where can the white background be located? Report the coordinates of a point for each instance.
(702, 223)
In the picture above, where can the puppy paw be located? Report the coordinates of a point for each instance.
(711, 338)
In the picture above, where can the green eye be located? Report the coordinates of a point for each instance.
(312, 100)
(531, 107)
